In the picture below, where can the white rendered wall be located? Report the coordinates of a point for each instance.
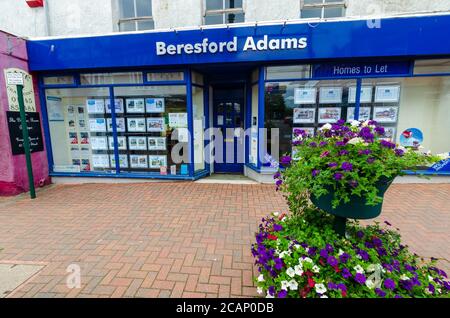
(177, 13)
(267, 10)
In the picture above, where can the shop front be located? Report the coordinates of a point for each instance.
(183, 104)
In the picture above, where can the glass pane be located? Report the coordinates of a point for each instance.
(127, 9)
(197, 78)
(79, 131)
(231, 4)
(303, 104)
(333, 12)
(127, 26)
(253, 152)
(146, 25)
(288, 72)
(311, 13)
(214, 19)
(214, 4)
(234, 18)
(432, 66)
(199, 123)
(155, 120)
(313, 1)
(58, 80)
(111, 78)
(143, 8)
(161, 77)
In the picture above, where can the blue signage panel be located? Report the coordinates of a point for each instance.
(340, 70)
(397, 37)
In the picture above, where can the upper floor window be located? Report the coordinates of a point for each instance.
(135, 15)
(322, 9)
(224, 11)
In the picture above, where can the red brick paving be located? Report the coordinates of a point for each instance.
(174, 239)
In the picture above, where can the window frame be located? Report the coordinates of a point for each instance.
(223, 12)
(136, 19)
(322, 6)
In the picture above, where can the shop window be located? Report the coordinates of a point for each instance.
(288, 72)
(199, 124)
(414, 110)
(58, 80)
(306, 105)
(165, 76)
(322, 9)
(111, 78)
(135, 15)
(152, 123)
(80, 136)
(437, 66)
(223, 11)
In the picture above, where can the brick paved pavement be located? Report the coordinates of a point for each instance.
(172, 239)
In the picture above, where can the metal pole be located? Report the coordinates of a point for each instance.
(26, 141)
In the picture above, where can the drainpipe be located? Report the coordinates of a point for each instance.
(47, 18)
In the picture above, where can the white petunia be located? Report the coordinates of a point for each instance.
(283, 254)
(370, 283)
(430, 278)
(359, 269)
(293, 285)
(297, 246)
(259, 290)
(404, 277)
(298, 270)
(354, 123)
(269, 295)
(340, 252)
(316, 269)
(276, 213)
(356, 140)
(260, 278)
(285, 285)
(320, 289)
(326, 127)
(290, 272)
(307, 259)
(365, 124)
(324, 296)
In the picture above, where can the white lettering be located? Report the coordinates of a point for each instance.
(160, 48)
(249, 44)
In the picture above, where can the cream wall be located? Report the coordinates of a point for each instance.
(266, 10)
(389, 7)
(425, 105)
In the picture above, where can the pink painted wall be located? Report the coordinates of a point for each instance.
(13, 171)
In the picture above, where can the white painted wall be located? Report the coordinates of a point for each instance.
(81, 17)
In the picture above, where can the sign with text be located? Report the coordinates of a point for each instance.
(13, 75)
(362, 69)
(34, 132)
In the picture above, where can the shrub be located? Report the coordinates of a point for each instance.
(299, 255)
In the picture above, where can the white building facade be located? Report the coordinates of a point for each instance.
(82, 17)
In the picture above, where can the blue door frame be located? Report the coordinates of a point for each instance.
(228, 112)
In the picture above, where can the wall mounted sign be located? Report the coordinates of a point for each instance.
(337, 70)
(411, 137)
(15, 132)
(28, 91)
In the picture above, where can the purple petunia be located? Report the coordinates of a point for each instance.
(272, 290)
(338, 176)
(312, 251)
(344, 257)
(299, 132)
(343, 152)
(365, 152)
(363, 254)
(313, 144)
(329, 248)
(332, 164)
(399, 152)
(370, 160)
(340, 143)
(282, 294)
(346, 273)
(285, 160)
(332, 285)
(380, 292)
(277, 227)
(323, 253)
(353, 183)
(323, 144)
(360, 278)
(347, 166)
(387, 144)
(315, 172)
(366, 134)
(379, 130)
(407, 284)
(278, 263)
(360, 234)
(332, 261)
(389, 284)
(377, 242)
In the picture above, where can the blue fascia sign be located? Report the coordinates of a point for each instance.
(398, 38)
(338, 70)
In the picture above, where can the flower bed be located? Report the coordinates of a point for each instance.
(299, 255)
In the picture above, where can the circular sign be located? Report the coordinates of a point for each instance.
(411, 137)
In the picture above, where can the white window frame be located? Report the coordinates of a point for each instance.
(222, 11)
(136, 18)
(322, 6)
